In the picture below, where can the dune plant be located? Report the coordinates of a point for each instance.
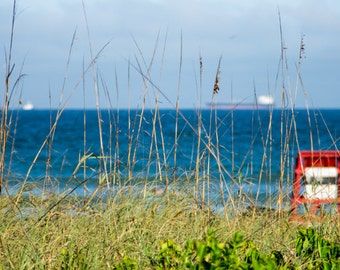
(8, 90)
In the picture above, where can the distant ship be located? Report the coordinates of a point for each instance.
(28, 106)
(263, 103)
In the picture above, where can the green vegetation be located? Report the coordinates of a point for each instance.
(317, 253)
(130, 231)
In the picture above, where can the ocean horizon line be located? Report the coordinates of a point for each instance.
(205, 108)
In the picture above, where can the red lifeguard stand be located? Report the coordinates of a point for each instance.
(316, 183)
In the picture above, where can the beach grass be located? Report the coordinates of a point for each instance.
(102, 234)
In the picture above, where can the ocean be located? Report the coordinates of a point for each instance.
(253, 148)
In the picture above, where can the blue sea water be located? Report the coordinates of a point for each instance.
(150, 144)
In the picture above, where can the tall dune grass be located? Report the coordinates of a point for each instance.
(129, 213)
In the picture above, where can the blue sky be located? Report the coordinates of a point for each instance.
(245, 33)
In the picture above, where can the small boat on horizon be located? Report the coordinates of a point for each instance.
(263, 103)
(28, 106)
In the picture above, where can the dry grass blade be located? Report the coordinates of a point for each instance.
(217, 78)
